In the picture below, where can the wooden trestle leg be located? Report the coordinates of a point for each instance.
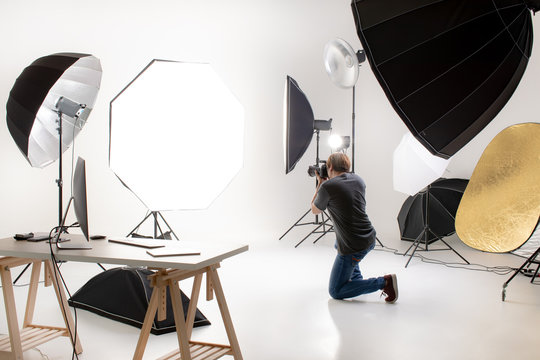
(163, 279)
(31, 335)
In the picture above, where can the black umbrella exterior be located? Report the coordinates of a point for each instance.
(444, 197)
(430, 215)
(32, 115)
(447, 66)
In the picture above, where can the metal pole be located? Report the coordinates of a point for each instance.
(59, 180)
(353, 121)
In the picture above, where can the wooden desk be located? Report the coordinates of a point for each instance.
(169, 271)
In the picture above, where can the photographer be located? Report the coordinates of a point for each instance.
(343, 194)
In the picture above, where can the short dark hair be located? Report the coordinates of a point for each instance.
(339, 162)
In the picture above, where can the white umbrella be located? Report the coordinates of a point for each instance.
(414, 166)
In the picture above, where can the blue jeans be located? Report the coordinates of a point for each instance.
(346, 280)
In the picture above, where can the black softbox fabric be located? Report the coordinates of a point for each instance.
(447, 66)
(123, 294)
(299, 121)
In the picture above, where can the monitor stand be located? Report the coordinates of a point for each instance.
(68, 245)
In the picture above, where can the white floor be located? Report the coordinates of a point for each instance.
(278, 299)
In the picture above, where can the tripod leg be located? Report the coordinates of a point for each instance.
(166, 223)
(529, 261)
(139, 224)
(22, 272)
(308, 235)
(416, 242)
(448, 246)
(296, 223)
(324, 233)
(379, 241)
(451, 248)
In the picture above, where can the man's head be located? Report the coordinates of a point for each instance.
(338, 163)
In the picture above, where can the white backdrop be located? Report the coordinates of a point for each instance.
(253, 45)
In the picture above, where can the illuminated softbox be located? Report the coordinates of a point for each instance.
(176, 135)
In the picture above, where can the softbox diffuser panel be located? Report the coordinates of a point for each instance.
(298, 124)
(32, 116)
(172, 118)
(447, 67)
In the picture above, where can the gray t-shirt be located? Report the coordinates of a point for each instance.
(344, 197)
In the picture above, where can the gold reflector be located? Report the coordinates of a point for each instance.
(500, 207)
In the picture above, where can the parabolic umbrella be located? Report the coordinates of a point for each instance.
(435, 206)
(32, 106)
(447, 66)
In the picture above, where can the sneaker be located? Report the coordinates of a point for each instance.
(390, 289)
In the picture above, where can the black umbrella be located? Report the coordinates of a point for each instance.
(48, 106)
(46, 86)
(447, 66)
(430, 215)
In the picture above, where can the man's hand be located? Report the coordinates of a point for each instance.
(314, 209)
(320, 179)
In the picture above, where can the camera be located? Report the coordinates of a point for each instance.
(321, 170)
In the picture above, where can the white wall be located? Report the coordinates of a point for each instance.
(253, 45)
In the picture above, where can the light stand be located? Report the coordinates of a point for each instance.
(72, 109)
(533, 259)
(156, 215)
(424, 234)
(323, 222)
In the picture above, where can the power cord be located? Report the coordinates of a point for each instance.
(56, 271)
(498, 270)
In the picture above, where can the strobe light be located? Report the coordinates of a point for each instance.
(339, 143)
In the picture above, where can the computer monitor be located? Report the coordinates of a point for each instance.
(80, 205)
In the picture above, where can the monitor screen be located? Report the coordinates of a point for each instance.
(79, 196)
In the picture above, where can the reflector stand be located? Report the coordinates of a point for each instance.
(424, 236)
(533, 259)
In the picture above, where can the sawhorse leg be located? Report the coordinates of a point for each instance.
(164, 279)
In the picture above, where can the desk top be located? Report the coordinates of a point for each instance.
(106, 252)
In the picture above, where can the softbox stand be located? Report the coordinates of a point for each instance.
(323, 223)
(157, 227)
(424, 235)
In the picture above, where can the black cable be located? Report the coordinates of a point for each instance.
(498, 270)
(72, 335)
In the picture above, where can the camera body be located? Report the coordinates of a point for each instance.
(321, 170)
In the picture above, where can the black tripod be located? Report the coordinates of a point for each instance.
(319, 224)
(531, 260)
(424, 234)
(157, 227)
